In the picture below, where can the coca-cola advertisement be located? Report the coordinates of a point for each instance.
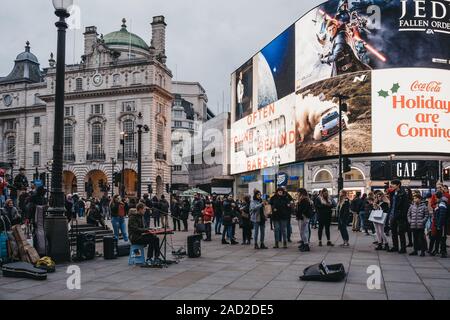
(411, 110)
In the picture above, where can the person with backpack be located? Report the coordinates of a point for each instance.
(304, 214)
(417, 217)
(118, 213)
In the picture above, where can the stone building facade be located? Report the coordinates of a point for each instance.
(119, 77)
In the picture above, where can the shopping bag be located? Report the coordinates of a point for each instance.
(378, 216)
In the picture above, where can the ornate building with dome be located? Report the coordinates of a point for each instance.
(119, 77)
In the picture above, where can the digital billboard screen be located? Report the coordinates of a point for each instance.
(391, 58)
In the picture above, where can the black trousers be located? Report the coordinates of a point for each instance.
(157, 221)
(153, 245)
(185, 224)
(208, 231)
(246, 233)
(420, 243)
(324, 225)
(176, 223)
(399, 229)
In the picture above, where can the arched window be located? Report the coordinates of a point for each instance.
(128, 128)
(10, 147)
(97, 139)
(323, 176)
(354, 175)
(68, 142)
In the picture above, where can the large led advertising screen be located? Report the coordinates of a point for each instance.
(390, 57)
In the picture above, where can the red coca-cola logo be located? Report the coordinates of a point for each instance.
(432, 86)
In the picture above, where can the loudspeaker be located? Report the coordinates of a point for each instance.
(194, 246)
(85, 246)
(109, 248)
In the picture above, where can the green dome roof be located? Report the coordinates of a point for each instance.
(124, 38)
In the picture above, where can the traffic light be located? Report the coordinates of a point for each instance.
(116, 178)
(167, 188)
(150, 189)
(346, 165)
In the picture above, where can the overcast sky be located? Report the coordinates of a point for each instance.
(206, 39)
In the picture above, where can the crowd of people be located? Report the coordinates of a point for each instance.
(398, 217)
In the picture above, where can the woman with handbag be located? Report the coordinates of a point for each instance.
(381, 203)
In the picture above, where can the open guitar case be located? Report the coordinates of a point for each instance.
(324, 273)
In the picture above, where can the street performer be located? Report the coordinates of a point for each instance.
(139, 235)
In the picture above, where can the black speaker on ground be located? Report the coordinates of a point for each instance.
(85, 246)
(109, 248)
(194, 246)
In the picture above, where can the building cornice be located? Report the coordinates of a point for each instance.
(111, 92)
(15, 111)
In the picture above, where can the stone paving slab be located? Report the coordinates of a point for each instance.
(242, 273)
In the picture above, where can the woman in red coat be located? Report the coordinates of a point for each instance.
(208, 215)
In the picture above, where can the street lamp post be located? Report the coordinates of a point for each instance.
(141, 128)
(113, 168)
(391, 157)
(56, 227)
(342, 107)
(122, 182)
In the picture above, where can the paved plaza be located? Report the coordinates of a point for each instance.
(242, 273)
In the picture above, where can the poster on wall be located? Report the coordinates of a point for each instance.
(411, 110)
(244, 90)
(341, 37)
(276, 69)
(317, 117)
(265, 138)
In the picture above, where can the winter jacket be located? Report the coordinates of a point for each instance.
(228, 213)
(217, 206)
(401, 203)
(324, 210)
(417, 216)
(136, 227)
(304, 209)
(185, 209)
(344, 211)
(175, 209)
(357, 205)
(280, 207)
(257, 212)
(197, 207)
(208, 215)
(13, 215)
(164, 206)
(441, 215)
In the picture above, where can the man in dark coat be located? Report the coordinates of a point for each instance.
(398, 216)
(281, 213)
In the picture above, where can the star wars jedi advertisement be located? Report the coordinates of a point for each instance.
(345, 36)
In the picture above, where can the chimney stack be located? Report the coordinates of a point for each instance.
(90, 39)
(159, 38)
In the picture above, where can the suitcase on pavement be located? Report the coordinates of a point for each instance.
(123, 249)
(109, 248)
(23, 270)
